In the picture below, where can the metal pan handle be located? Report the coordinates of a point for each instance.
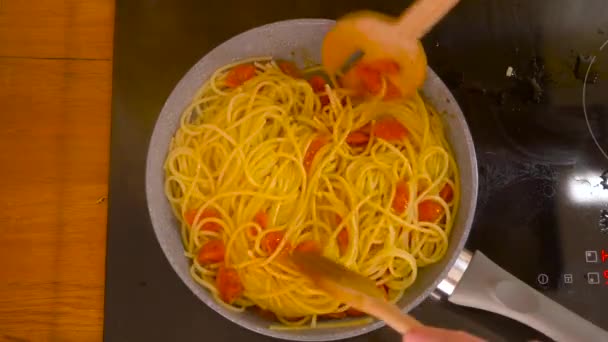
(485, 285)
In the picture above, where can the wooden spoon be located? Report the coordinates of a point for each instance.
(379, 36)
(353, 289)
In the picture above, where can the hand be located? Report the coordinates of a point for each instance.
(428, 334)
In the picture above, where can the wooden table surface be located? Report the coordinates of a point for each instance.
(55, 91)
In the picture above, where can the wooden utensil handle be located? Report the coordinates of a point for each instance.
(421, 16)
(392, 315)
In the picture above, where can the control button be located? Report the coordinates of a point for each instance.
(604, 256)
(593, 278)
(568, 278)
(542, 279)
(591, 256)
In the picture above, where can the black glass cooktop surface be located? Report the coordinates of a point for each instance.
(532, 80)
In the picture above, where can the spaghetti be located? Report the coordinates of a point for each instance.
(266, 161)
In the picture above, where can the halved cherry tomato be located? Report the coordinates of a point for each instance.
(357, 138)
(447, 193)
(228, 284)
(190, 215)
(343, 240)
(290, 69)
(261, 218)
(324, 100)
(271, 241)
(370, 78)
(429, 211)
(386, 66)
(239, 75)
(308, 246)
(392, 92)
(367, 77)
(211, 252)
(389, 129)
(401, 197)
(317, 84)
(314, 147)
(350, 80)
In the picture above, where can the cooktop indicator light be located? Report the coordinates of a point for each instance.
(604, 256)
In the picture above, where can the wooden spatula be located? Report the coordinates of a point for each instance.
(380, 37)
(353, 289)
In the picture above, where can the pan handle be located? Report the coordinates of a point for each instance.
(485, 285)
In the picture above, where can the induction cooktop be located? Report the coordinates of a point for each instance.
(532, 80)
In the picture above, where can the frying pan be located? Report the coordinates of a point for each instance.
(468, 279)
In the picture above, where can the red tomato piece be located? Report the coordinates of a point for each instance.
(318, 85)
(228, 284)
(261, 218)
(308, 246)
(290, 69)
(211, 252)
(392, 91)
(271, 241)
(429, 211)
(357, 138)
(343, 240)
(367, 78)
(239, 75)
(401, 197)
(190, 215)
(385, 66)
(312, 150)
(447, 193)
(389, 129)
(371, 80)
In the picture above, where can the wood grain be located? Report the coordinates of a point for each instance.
(54, 171)
(56, 28)
(54, 143)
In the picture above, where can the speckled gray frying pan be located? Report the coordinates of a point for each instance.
(484, 285)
